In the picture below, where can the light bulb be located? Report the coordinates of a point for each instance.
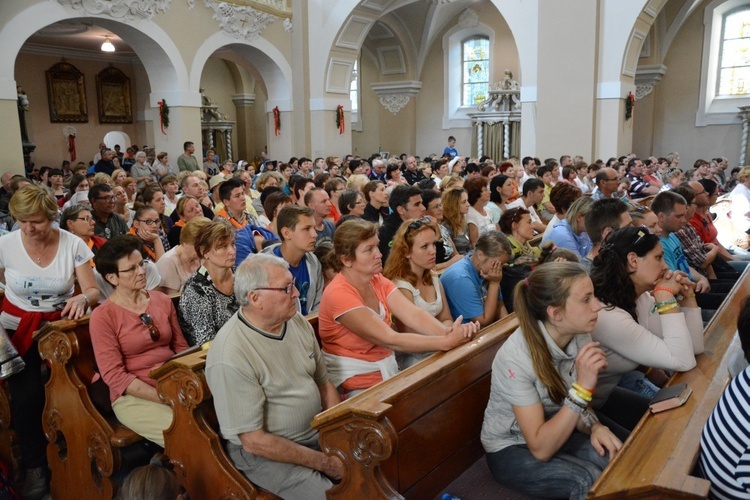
(107, 45)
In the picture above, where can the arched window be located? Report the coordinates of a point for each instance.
(734, 62)
(467, 59)
(475, 70)
(725, 65)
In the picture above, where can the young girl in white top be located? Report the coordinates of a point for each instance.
(540, 435)
(410, 267)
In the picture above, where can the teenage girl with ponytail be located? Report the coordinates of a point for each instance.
(540, 436)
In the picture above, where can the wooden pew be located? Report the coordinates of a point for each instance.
(192, 442)
(413, 434)
(658, 458)
(84, 445)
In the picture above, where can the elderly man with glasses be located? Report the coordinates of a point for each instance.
(269, 380)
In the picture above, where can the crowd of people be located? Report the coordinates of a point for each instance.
(400, 258)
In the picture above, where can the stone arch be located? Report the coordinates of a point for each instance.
(351, 20)
(159, 55)
(267, 59)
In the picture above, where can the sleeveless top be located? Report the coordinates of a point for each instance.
(433, 308)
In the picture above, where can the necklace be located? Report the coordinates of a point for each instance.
(44, 250)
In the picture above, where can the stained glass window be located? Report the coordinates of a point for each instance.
(354, 88)
(475, 70)
(734, 62)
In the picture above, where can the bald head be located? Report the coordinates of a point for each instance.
(606, 180)
(701, 198)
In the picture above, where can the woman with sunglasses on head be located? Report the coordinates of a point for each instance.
(540, 435)
(356, 313)
(650, 319)
(136, 331)
(146, 228)
(410, 267)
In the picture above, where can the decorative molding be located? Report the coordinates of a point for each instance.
(646, 79)
(630, 62)
(394, 102)
(395, 95)
(353, 33)
(376, 5)
(468, 19)
(339, 76)
(288, 25)
(243, 100)
(240, 21)
(125, 10)
(391, 60)
(74, 53)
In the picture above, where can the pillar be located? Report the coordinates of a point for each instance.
(10, 137)
(184, 122)
(565, 109)
(244, 104)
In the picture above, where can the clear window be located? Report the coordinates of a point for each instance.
(354, 88)
(475, 70)
(734, 62)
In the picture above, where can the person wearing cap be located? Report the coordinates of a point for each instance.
(213, 187)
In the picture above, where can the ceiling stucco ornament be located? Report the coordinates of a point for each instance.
(240, 21)
(468, 19)
(394, 102)
(126, 10)
(288, 25)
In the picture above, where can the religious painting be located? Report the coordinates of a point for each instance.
(113, 96)
(66, 93)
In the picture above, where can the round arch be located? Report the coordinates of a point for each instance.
(159, 55)
(267, 59)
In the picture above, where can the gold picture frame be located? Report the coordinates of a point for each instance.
(66, 93)
(113, 96)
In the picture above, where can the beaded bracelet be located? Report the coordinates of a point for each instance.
(664, 289)
(588, 418)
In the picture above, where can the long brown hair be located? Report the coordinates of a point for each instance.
(398, 267)
(547, 285)
(452, 216)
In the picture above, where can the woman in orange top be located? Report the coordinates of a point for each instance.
(356, 315)
(146, 227)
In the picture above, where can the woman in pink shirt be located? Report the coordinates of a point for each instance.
(135, 331)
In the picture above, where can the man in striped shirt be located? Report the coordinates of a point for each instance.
(725, 443)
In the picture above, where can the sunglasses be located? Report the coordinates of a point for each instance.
(417, 224)
(148, 322)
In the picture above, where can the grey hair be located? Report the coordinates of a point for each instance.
(71, 213)
(139, 154)
(493, 244)
(253, 274)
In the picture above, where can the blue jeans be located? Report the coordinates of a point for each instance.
(637, 382)
(570, 473)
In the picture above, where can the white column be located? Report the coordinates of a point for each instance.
(184, 121)
(745, 114)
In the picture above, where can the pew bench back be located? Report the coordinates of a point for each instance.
(660, 455)
(414, 433)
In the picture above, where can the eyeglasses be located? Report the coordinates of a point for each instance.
(106, 198)
(149, 222)
(287, 289)
(140, 265)
(419, 223)
(148, 322)
(88, 218)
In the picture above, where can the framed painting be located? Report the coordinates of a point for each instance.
(66, 93)
(113, 96)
